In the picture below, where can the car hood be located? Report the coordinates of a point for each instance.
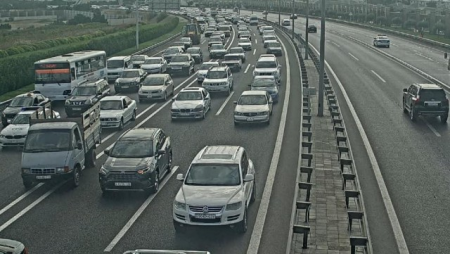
(221, 80)
(12, 110)
(202, 72)
(218, 50)
(151, 88)
(179, 63)
(110, 113)
(251, 108)
(265, 69)
(244, 43)
(127, 80)
(151, 66)
(45, 159)
(127, 164)
(209, 195)
(80, 98)
(186, 104)
(15, 129)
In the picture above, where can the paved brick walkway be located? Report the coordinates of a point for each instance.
(328, 215)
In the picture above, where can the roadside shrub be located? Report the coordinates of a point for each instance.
(161, 16)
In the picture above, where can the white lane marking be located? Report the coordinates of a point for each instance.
(432, 128)
(376, 74)
(17, 200)
(337, 45)
(398, 233)
(30, 206)
(254, 51)
(203, 41)
(256, 41)
(265, 200)
(246, 69)
(147, 109)
(138, 213)
(353, 56)
(426, 57)
(224, 104)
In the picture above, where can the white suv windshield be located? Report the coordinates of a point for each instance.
(217, 74)
(213, 175)
(266, 64)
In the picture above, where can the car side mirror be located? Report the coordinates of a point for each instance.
(99, 93)
(180, 177)
(235, 102)
(79, 146)
(161, 152)
(106, 151)
(270, 102)
(405, 90)
(125, 106)
(279, 66)
(249, 178)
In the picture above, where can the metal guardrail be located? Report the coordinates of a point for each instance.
(4, 104)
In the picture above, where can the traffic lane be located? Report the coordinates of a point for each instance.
(96, 217)
(257, 140)
(276, 227)
(414, 173)
(11, 158)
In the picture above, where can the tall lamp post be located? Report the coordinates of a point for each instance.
(306, 30)
(279, 12)
(293, 17)
(137, 24)
(322, 60)
(445, 57)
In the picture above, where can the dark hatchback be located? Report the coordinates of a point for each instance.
(312, 29)
(137, 161)
(426, 100)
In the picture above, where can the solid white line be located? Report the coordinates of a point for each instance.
(254, 51)
(353, 56)
(17, 200)
(265, 200)
(203, 41)
(432, 128)
(256, 41)
(376, 74)
(337, 45)
(246, 69)
(147, 109)
(224, 104)
(398, 233)
(30, 206)
(138, 213)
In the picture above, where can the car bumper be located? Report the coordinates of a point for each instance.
(432, 113)
(216, 89)
(137, 183)
(126, 87)
(275, 52)
(112, 78)
(247, 47)
(177, 71)
(152, 71)
(6, 142)
(234, 67)
(46, 177)
(187, 115)
(110, 124)
(76, 110)
(251, 119)
(217, 55)
(225, 218)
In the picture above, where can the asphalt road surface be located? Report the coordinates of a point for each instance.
(58, 219)
(413, 157)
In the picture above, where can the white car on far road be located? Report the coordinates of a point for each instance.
(154, 65)
(253, 106)
(116, 111)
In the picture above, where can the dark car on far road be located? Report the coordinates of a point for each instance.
(312, 29)
(426, 100)
(19, 102)
(137, 161)
(130, 80)
(84, 96)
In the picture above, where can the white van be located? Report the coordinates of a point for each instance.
(115, 66)
(286, 22)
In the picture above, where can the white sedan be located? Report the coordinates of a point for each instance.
(116, 111)
(154, 65)
(253, 107)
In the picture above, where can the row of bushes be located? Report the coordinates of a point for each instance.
(17, 70)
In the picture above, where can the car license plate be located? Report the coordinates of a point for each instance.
(77, 109)
(43, 177)
(125, 86)
(122, 184)
(184, 114)
(205, 216)
(432, 103)
(250, 119)
(176, 68)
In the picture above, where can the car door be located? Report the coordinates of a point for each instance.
(78, 155)
(161, 159)
(230, 78)
(412, 91)
(126, 110)
(244, 169)
(206, 99)
(269, 101)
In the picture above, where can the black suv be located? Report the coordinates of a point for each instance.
(137, 161)
(84, 96)
(21, 101)
(312, 29)
(425, 99)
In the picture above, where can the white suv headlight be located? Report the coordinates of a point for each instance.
(179, 205)
(234, 206)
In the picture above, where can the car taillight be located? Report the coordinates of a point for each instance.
(446, 102)
(416, 100)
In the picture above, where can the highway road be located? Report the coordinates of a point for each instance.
(58, 219)
(412, 157)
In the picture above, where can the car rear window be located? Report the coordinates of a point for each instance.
(432, 94)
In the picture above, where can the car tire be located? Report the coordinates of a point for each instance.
(444, 118)
(121, 125)
(178, 228)
(236, 123)
(76, 177)
(242, 226)
(253, 197)
(133, 117)
(412, 114)
(155, 187)
(268, 122)
(27, 184)
(91, 158)
(165, 96)
(404, 108)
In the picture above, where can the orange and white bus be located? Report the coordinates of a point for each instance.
(57, 76)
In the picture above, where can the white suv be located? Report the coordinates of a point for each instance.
(218, 79)
(217, 190)
(267, 65)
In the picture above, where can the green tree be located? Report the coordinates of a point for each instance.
(79, 19)
(422, 25)
(439, 26)
(98, 17)
(409, 23)
(396, 21)
(371, 17)
(383, 21)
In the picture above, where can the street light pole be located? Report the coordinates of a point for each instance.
(306, 30)
(322, 61)
(279, 12)
(137, 25)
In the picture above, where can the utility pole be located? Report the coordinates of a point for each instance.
(445, 57)
(293, 17)
(137, 24)
(279, 12)
(322, 60)
(306, 30)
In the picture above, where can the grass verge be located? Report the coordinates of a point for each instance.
(146, 44)
(12, 94)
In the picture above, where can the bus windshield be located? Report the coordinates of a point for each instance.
(52, 75)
